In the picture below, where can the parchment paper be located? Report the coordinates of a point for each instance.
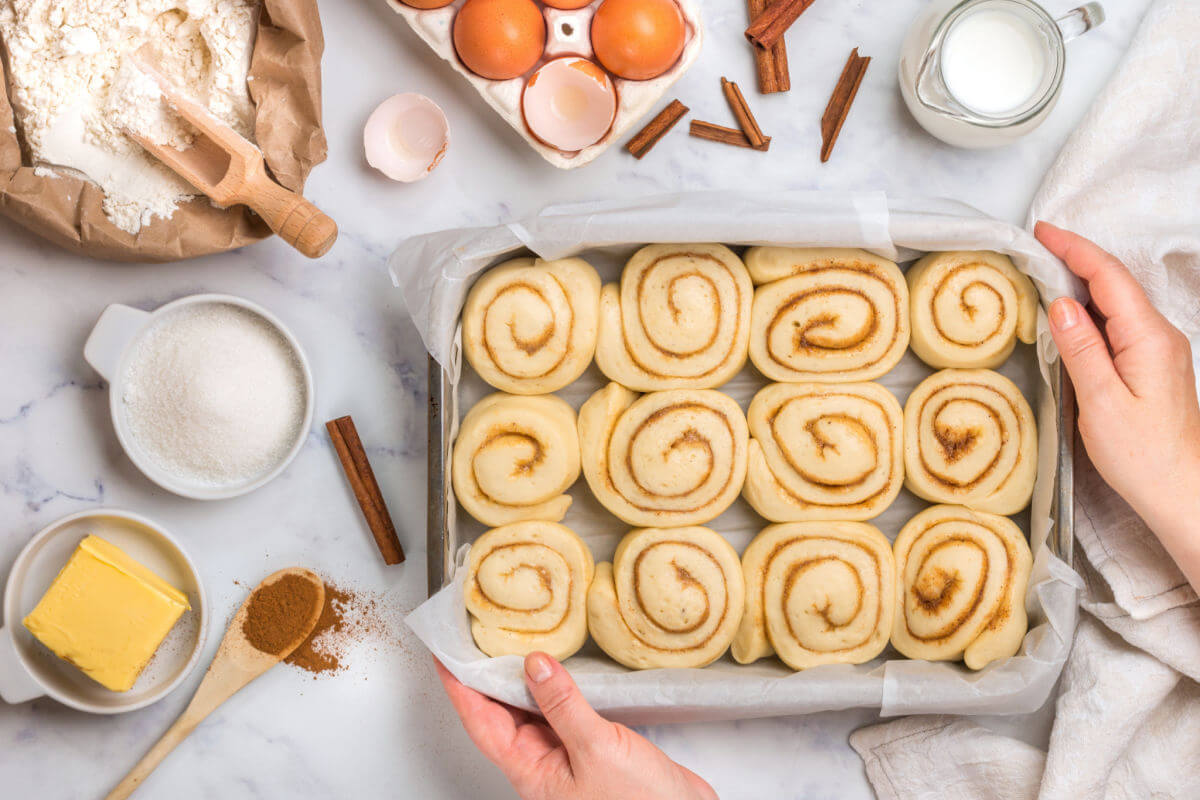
(285, 84)
(434, 272)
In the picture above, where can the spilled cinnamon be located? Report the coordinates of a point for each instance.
(348, 620)
(318, 658)
(278, 613)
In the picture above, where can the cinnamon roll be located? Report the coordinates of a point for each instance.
(680, 319)
(970, 438)
(670, 598)
(824, 451)
(526, 589)
(817, 593)
(961, 577)
(826, 315)
(969, 309)
(515, 457)
(529, 326)
(668, 458)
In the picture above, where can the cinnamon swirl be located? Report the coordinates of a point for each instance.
(817, 593)
(961, 577)
(529, 326)
(970, 438)
(680, 319)
(670, 598)
(526, 589)
(668, 458)
(969, 309)
(514, 457)
(824, 451)
(826, 315)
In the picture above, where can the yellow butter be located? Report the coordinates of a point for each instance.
(106, 614)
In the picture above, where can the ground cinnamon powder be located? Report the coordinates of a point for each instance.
(317, 656)
(349, 621)
(278, 612)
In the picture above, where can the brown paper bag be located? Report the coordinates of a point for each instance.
(285, 84)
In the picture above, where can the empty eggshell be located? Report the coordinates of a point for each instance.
(569, 103)
(406, 137)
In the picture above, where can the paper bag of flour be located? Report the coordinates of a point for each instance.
(285, 84)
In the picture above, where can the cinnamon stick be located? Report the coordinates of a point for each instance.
(839, 104)
(770, 63)
(366, 489)
(719, 133)
(745, 118)
(656, 128)
(771, 23)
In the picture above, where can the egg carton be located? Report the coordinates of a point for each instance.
(567, 33)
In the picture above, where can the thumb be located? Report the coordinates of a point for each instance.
(569, 715)
(1084, 352)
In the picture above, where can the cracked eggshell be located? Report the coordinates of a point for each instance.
(569, 103)
(406, 137)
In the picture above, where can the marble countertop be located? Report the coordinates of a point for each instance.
(383, 726)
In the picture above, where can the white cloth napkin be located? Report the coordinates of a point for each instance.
(1127, 721)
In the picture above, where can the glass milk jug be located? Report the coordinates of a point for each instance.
(983, 73)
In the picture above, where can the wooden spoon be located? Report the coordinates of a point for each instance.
(229, 169)
(236, 664)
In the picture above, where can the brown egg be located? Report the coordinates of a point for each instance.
(499, 39)
(426, 5)
(567, 5)
(638, 39)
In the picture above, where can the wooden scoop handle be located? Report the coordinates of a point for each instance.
(297, 221)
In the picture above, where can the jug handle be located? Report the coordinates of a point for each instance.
(1078, 21)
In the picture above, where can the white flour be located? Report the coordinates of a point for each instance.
(75, 89)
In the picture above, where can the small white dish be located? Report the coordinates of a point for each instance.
(108, 349)
(28, 670)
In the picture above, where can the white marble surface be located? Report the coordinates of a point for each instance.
(383, 729)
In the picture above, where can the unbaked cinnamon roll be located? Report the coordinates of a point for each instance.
(824, 451)
(515, 457)
(670, 598)
(969, 309)
(961, 577)
(826, 315)
(680, 319)
(668, 458)
(526, 589)
(817, 593)
(529, 326)
(970, 438)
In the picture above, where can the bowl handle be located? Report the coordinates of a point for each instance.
(112, 334)
(16, 684)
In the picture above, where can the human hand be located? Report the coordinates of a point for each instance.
(574, 754)
(1136, 393)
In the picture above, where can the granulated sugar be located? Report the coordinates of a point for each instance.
(214, 394)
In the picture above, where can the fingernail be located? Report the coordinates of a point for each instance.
(538, 667)
(1064, 314)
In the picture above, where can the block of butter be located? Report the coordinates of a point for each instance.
(106, 614)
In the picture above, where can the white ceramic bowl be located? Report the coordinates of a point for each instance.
(29, 670)
(108, 349)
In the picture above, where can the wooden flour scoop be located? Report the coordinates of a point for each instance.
(236, 664)
(230, 170)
